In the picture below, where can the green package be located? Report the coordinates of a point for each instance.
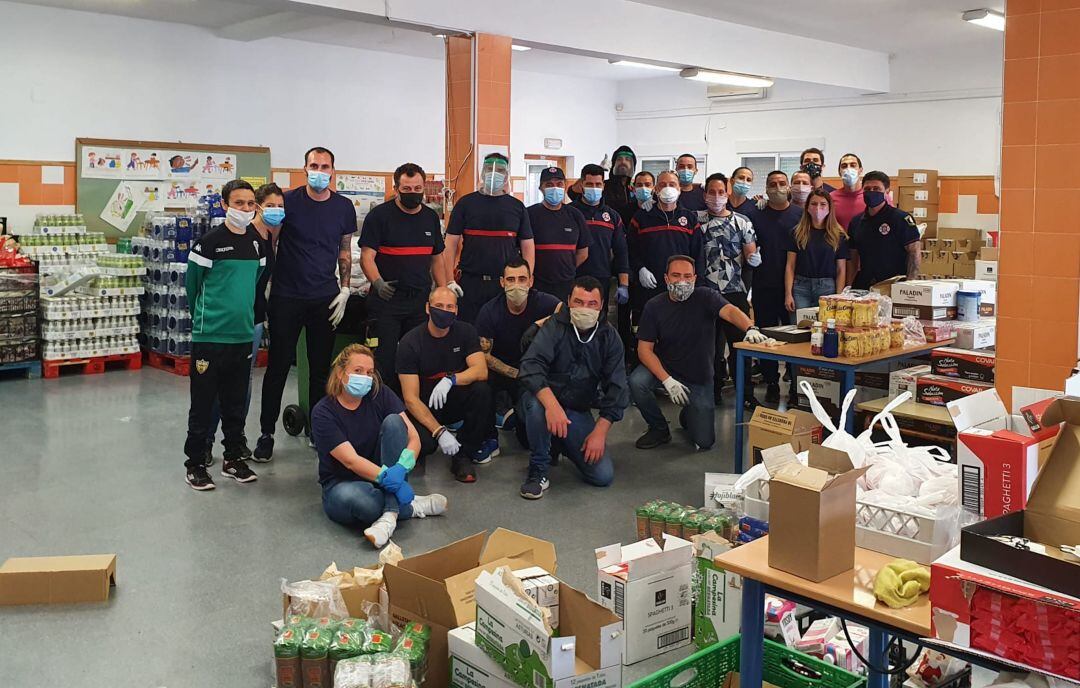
(315, 660)
(346, 644)
(657, 520)
(287, 657)
(415, 629)
(316, 644)
(287, 643)
(691, 524)
(325, 623)
(673, 520)
(299, 621)
(377, 641)
(352, 624)
(413, 649)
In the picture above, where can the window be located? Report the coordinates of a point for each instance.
(761, 164)
(658, 164)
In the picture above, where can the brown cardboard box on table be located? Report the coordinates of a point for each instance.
(57, 580)
(919, 177)
(811, 511)
(769, 428)
(439, 587)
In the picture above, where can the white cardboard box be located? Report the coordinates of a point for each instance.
(542, 587)
(986, 270)
(904, 380)
(649, 588)
(987, 289)
(925, 293)
(976, 335)
(469, 666)
(810, 314)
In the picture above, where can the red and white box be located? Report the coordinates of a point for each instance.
(817, 635)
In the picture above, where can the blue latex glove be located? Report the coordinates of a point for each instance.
(405, 494)
(407, 459)
(392, 477)
(622, 295)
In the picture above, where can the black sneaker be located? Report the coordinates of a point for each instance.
(772, 393)
(462, 468)
(653, 438)
(208, 457)
(245, 453)
(238, 471)
(264, 449)
(535, 485)
(199, 479)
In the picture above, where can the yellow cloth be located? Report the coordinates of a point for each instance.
(900, 582)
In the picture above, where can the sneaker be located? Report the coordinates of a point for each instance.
(507, 421)
(264, 449)
(653, 438)
(750, 403)
(487, 451)
(534, 486)
(245, 453)
(238, 471)
(379, 532)
(462, 469)
(772, 393)
(199, 479)
(310, 442)
(208, 457)
(428, 505)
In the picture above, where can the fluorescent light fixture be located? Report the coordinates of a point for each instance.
(986, 18)
(642, 65)
(520, 48)
(725, 78)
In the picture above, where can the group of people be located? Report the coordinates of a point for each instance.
(502, 323)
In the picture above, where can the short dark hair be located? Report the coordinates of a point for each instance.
(588, 283)
(735, 172)
(645, 173)
(319, 149)
(876, 176)
(775, 172)
(687, 155)
(677, 257)
(268, 189)
(233, 185)
(848, 155)
(716, 177)
(812, 150)
(593, 170)
(517, 262)
(408, 170)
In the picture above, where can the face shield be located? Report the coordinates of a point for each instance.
(493, 176)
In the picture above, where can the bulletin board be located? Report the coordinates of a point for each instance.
(118, 181)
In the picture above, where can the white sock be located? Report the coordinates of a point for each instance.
(379, 532)
(428, 505)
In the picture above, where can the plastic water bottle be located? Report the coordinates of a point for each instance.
(831, 344)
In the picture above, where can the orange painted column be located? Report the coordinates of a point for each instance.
(477, 104)
(1039, 269)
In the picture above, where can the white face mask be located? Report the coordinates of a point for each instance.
(238, 218)
(669, 194)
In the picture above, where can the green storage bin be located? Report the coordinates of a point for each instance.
(709, 667)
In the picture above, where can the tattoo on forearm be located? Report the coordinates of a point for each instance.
(912, 264)
(344, 260)
(497, 366)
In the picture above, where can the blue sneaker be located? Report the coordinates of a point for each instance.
(506, 421)
(487, 451)
(455, 426)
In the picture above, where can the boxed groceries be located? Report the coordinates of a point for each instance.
(648, 587)
(543, 588)
(717, 593)
(57, 580)
(819, 633)
(790, 334)
(359, 587)
(963, 363)
(986, 270)
(976, 335)
(780, 622)
(769, 427)
(470, 667)
(806, 315)
(987, 291)
(904, 380)
(938, 390)
(909, 196)
(938, 293)
(921, 177)
(900, 310)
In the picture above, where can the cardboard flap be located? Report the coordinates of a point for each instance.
(675, 553)
(609, 556)
(976, 409)
(802, 476)
(775, 421)
(419, 595)
(1056, 492)
(834, 461)
(585, 620)
(449, 560)
(508, 543)
(846, 478)
(461, 589)
(1062, 410)
(776, 458)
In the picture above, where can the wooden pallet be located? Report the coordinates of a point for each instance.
(177, 365)
(28, 369)
(91, 366)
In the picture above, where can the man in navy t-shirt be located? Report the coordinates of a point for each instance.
(608, 255)
(883, 241)
(314, 240)
(691, 195)
(560, 235)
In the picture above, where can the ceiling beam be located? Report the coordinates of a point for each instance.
(270, 25)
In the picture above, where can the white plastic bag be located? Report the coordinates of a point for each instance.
(315, 599)
(839, 437)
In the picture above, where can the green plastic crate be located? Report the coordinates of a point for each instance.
(709, 667)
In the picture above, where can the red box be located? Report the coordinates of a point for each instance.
(963, 363)
(938, 390)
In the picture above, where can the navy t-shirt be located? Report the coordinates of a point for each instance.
(505, 329)
(404, 243)
(818, 259)
(882, 242)
(773, 229)
(309, 244)
(491, 228)
(266, 249)
(433, 358)
(683, 334)
(558, 235)
(332, 424)
(694, 199)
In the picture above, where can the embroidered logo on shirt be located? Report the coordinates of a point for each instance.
(567, 229)
(457, 349)
(201, 366)
(427, 233)
(884, 229)
(223, 249)
(606, 216)
(682, 221)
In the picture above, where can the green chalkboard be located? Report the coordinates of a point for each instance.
(173, 173)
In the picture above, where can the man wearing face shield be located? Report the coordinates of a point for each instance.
(560, 234)
(488, 227)
(574, 354)
(676, 347)
(619, 188)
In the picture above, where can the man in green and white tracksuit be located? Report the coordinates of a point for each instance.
(223, 271)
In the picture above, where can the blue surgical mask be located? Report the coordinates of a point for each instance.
(873, 198)
(493, 181)
(850, 175)
(318, 180)
(685, 176)
(593, 195)
(553, 195)
(741, 188)
(273, 216)
(642, 194)
(358, 385)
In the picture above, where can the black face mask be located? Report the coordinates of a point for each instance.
(411, 200)
(813, 169)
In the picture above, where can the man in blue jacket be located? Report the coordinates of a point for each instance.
(574, 354)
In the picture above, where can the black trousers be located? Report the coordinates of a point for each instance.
(769, 310)
(286, 317)
(468, 403)
(391, 320)
(218, 371)
(479, 289)
(639, 296)
(506, 393)
(729, 335)
(560, 290)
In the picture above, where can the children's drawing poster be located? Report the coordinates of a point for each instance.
(102, 163)
(365, 192)
(142, 164)
(153, 195)
(125, 202)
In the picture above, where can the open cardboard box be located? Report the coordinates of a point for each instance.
(769, 428)
(57, 580)
(1050, 519)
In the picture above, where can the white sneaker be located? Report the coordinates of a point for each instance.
(379, 532)
(428, 505)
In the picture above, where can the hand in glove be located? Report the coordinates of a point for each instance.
(407, 458)
(337, 307)
(679, 393)
(754, 259)
(384, 289)
(392, 477)
(448, 443)
(456, 288)
(754, 336)
(647, 279)
(622, 294)
(761, 202)
(438, 395)
(405, 494)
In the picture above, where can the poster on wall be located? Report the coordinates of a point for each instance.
(125, 202)
(102, 163)
(365, 192)
(142, 164)
(153, 195)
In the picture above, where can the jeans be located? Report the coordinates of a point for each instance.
(698, 417)
(806, 290)
(769, 310)
(218, 372)
(393, 318)
(600, 474)
(359, 502)
(215, 413)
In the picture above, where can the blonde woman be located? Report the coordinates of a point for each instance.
(817, 254)
(366, 446)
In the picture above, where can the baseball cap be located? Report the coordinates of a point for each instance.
(551, 173)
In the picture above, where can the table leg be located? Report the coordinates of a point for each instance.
(848, 385)
(740, 391)
(751, 642)
(879, 657)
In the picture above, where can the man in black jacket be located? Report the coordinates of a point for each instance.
(573, 355)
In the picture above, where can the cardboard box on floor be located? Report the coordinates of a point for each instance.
(718, 600)
(811, 511)
(648, 586)
(769, 427)
(439, 587)
(57, 580)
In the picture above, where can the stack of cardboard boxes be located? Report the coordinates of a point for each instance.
(916, 191)
(954, 252)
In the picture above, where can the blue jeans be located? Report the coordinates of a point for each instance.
(215, 411)
(600, 474)
(698, 417)
(806, 290)
(358, 502)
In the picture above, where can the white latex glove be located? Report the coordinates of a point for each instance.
(337, 307)
(762, 202)
(456, 288)
(448, 443)
(754, 337)
(647, 279)
(754, 259)
(679, 393)
(438, 395)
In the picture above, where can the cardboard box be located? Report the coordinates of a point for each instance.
(717, 593)
(469, 666)
(57, 580)
(648, 587)
(357, 596)
(937, 390)
(792, 334)
(963, 363)
(438, 587)
(826, 385)
(589, 649)
(988, 253)
(543, 588)
(976, 335)
(924, 312)
(986, 270)
(904, 380)
(923, 212)
(987, 290)
(1050, 519)
(817, 635)
(917, 177)
(964, 238)
(925, 293)
(908, 196)
(928, 229)
(769, 428)
(806, 315)
(812, 511)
